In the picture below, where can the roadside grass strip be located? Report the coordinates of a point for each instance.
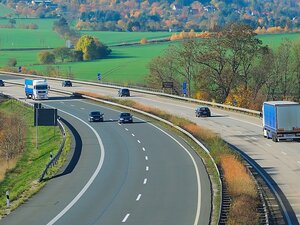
(22, 180)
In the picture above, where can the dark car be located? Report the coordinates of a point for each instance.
(125, 118)
(96, 116)
(202, 111)
(66, 83)
(123, 92)
(2, 83)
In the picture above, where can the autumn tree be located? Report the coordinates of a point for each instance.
(46, 57)
(92, 48)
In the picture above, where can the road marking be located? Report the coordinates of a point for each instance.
(284, 153)
(125, 218)
(268, 144)
(133, 135)
(138, 197)
(82, 108)
(62, 102)
(147, 168)
(144, 149)
(139, 141)
(126, 129)
(145, 181)
(253, 138)
(90, 181)
(146, 157)
(72, 105)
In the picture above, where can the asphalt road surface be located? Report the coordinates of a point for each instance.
(130, 173)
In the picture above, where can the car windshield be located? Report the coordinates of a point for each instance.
(125, 91)
(95, 113)
(67, 82)
(203, 109)
(125, 114)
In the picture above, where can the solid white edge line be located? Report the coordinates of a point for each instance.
(125, 218)
(197, 174)
(88, 184)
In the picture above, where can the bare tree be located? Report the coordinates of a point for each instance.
(162, 69)
(11, 138)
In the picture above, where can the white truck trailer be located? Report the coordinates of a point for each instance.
(281, 120)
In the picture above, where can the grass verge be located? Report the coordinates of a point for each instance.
(238, 180)
(22, 180)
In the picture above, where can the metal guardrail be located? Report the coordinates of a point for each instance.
(54, 160)
(63, 131)
(146, 91)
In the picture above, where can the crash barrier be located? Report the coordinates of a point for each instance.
(145, 90)
(53, 160)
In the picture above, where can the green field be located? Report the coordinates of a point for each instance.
(125, 65)
(128, 64)
(111, 38)
(4, 10)
(274, 40)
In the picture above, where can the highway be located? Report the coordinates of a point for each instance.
(118, 174)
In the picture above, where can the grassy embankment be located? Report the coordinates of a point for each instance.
(239, 182)
(22, 179)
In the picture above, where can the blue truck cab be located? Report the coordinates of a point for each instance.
(36, 89)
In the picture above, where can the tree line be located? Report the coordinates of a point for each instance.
(177, 15)
(231, 66)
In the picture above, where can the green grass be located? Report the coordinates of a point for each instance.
(4, 10)
(111, 38)
(25, 38)
(19, 181)
(274, 40)
(125, 65)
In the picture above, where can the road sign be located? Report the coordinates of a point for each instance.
(99, 76)
(184, 88)
(20, 69)
(168, 84)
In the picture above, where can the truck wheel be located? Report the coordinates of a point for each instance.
(274, 138)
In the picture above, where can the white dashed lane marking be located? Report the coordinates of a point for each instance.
(147, 168)
(139, 141)
(132, 135)
(145, 181)
(126, 129)
(144, 149)
(146, 157)
(138, 197)
(125, 218)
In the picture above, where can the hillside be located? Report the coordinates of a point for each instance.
(164, 15)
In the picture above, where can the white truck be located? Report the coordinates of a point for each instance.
(281, 120)
(36, 89)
